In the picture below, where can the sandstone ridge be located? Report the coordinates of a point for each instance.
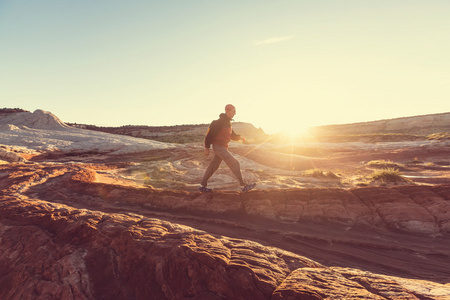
(424, 209)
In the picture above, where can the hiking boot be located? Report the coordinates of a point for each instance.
(204, 189)
(248, 187)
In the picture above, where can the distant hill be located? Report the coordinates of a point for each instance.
(176, 133)
(416, 125)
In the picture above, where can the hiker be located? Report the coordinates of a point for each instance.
(218, 135)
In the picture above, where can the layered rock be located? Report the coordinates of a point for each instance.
(424, 209)
(53, 251)
(395, 207)
(65, 253)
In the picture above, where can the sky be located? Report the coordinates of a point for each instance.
(285, 64)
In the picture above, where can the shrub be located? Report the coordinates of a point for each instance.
(439, 136)
(388, 175)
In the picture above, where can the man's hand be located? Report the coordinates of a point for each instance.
(206, 152)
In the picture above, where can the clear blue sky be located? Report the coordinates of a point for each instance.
(285, 64)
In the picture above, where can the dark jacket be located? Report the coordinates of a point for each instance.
(220, 132)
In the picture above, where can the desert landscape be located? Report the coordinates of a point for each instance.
(354, 211)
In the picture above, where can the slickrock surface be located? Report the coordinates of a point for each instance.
(79, 221)
(424, 209)
(66, 236)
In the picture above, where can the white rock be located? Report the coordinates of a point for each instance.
(43, 131)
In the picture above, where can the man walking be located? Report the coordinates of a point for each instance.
(219, 135)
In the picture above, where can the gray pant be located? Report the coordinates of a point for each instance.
(221, 154)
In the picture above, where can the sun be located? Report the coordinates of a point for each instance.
(291, 130)
(291, 120)
(298, 132)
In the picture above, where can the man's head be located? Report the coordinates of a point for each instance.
(230, 110)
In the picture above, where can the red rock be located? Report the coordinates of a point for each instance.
(50, 250)
(396, 210)
(331, 283)
(122, 257)
(438, 207)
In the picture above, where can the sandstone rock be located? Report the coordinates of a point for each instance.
(59, 252)
(317, 284)
(259, 203)
(432, 202)
(50, 250)
(60, 239)
(410, 208)
(378, 206)
(397, 210)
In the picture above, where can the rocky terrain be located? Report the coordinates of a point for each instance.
(89, 215)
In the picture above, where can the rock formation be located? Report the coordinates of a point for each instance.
(39, 119)
(42, 131)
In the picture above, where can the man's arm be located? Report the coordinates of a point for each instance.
(237, 137)
(234, 136)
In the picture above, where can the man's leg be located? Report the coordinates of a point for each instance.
(213, 166)
(231, 162)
